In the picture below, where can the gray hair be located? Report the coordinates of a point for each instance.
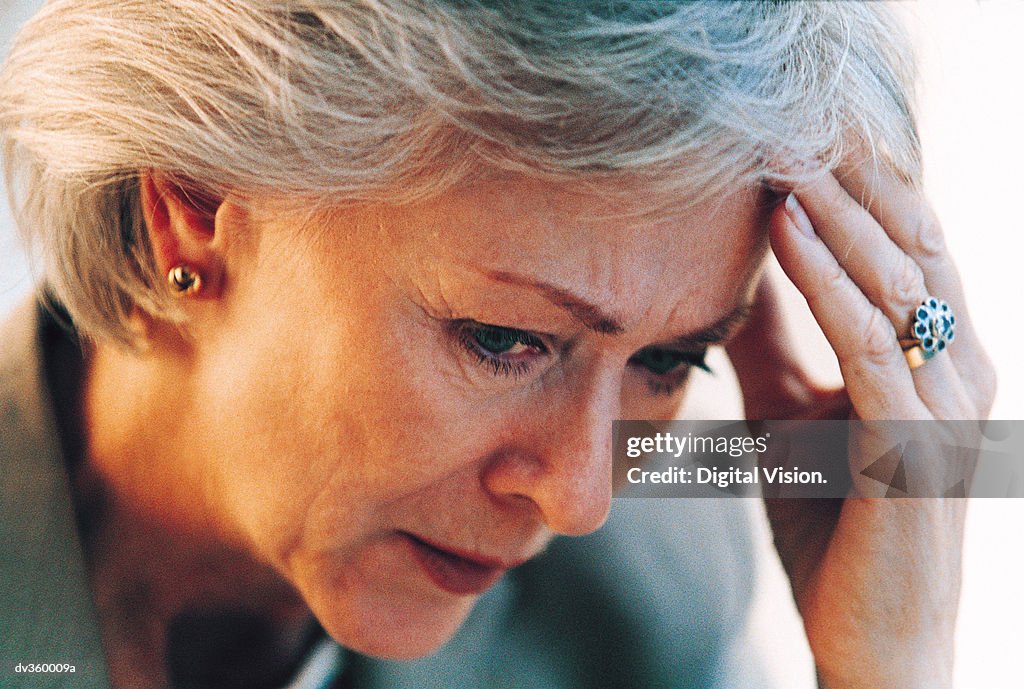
(337, 101)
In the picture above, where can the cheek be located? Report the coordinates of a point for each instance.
(280, 412)
(326, 437)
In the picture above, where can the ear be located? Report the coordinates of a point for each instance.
(181, 223)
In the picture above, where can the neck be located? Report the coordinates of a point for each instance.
(181, 599)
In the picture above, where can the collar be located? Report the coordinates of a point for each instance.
(45, 600)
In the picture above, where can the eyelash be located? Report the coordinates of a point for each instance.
(469, 331)
(671, 380)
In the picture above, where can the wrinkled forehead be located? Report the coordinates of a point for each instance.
(621, 247)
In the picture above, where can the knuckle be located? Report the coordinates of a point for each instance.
(926, 238)
(908, 288)
(834, 281)
(834, 278)
(879, 340)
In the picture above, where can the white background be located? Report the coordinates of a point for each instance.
(973, 130)
(972, 122)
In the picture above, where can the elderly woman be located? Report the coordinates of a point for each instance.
(341, 298)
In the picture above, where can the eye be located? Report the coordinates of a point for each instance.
(662, 361)
(504, 351)
(668, 369)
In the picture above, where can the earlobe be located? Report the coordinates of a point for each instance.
(181, 225)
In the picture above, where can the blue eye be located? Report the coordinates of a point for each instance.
(512, 352)
(663, 361)
(505, 351)
(504, 340)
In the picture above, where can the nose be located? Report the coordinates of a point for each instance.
(559, 458)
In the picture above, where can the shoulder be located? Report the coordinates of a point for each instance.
(45, 604)
(19, 355)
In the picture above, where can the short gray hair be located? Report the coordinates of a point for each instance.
(336, 101)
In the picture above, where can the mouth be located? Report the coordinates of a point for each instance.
(456, 571)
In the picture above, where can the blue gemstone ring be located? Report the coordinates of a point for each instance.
(933, 330)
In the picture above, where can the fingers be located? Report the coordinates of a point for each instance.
(877, 377)
(904, 213)
(878, 261)
(889, 277)
(913, 227)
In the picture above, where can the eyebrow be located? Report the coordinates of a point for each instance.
(591, 316)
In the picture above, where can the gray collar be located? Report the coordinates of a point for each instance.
(46, 606)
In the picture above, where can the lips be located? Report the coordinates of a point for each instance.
(456, 571)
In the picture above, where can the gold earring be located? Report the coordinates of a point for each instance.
(184, 281)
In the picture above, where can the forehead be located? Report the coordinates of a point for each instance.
(605, 244)
(617, 214)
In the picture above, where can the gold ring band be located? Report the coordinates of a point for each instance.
(916, 356)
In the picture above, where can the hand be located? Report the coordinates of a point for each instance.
(876, 580)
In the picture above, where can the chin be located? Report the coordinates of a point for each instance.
(393, 629)
(380, 606)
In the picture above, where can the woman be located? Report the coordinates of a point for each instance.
(357, 288)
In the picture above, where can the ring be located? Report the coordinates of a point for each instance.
(933, 330)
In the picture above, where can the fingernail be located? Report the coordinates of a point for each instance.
(798, 215)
